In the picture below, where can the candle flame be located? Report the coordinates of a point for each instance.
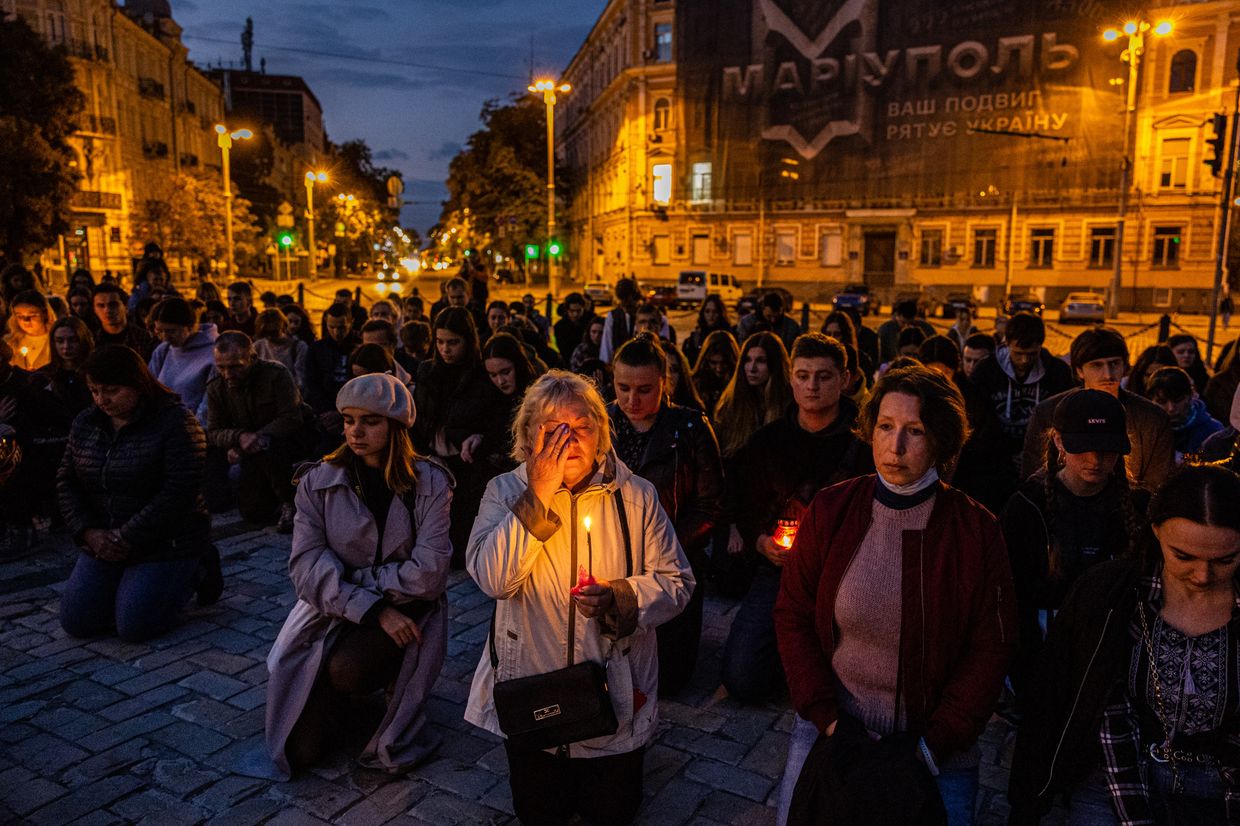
(586, 522)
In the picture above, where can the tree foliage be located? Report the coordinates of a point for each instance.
(186, 218)
(39, 108)
(497, 183)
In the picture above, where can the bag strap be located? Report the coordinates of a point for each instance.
(628, 571)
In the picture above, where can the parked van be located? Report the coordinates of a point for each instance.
(598, 291)
(693, 286)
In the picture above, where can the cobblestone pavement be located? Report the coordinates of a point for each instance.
(102, 732)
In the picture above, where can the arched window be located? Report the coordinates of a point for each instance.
(662, 114)
(1183, 71)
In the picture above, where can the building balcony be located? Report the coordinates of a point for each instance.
(149, 87)
(93, 199)
(98, 125)
(155, 149)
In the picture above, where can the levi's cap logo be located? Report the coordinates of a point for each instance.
(1096, 421)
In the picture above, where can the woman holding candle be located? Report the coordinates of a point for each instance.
(28, 322)
(527, 546)
(895, 620)
(674, 448)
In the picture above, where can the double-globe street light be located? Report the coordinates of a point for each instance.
(549, 89)
(1135, 31)
(224, 139)
(312, 177)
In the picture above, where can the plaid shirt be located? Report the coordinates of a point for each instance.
(1120, 737)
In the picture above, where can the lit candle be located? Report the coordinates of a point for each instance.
(25, 350)
(786, 533)
(589, 545)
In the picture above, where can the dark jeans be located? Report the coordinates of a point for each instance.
(547, 789)
(680, 637)
(751, 670)
(267, 481)
(1199, 801)
(138, 601)
(362, 659)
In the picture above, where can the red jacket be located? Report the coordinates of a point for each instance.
(958, 626)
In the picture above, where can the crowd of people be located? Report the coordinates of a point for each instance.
(920, 529)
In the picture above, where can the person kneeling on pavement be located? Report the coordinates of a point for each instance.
(255, 414)
(369, 564)
(130, 491)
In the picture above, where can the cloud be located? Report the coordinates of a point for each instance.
(391, 155)
(341, 76)
(446, 151)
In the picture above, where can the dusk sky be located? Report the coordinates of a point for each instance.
(415, 119)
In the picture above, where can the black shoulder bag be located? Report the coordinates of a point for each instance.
(564, 706)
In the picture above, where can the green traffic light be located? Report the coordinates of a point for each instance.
(531, 250)
(553, 248)
(286, 240)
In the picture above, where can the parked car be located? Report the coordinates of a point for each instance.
(598, 291)
(662, 295)
(753, 298)
(692, 286)
(1022, 303)
(1085, 307)
(956, 301)
(855, 297)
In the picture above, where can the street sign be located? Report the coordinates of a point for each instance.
(285, 216)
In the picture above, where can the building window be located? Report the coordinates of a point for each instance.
(742, 249)
(699, 184)
(662, 114)
(831, 252)
(1166, 247)
(701, 249)
(1173, 172)
(931, 248)
(663, 43)
(984, 247)
(661, 183)
(1183, 71)
(785, 247)
(1102, 247)
(1042, 248)
(662, 249)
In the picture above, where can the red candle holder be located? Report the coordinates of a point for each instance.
(786, 533)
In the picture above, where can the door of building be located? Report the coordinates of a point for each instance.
(880, 259)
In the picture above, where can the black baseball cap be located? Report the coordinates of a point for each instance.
(1091, 421)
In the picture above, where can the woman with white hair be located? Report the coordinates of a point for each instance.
(584, 564)
(369, 565)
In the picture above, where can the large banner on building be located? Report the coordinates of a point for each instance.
(876, 101)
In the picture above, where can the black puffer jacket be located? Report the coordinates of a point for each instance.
(682, 462)
(144, 480)
(458, 400)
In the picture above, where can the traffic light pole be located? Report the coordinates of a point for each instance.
(1224, 230)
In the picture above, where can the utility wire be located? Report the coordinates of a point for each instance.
(320, 53)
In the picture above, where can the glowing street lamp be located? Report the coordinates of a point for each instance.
(1135, 31)
(224, 139)
(311, 178)
(548, 88)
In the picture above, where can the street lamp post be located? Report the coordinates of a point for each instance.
(1135, 31)
(311, 177)
(548, 89)
(224, 139)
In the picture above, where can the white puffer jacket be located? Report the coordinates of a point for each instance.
(527, 557)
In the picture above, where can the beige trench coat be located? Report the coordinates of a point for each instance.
(333, 573)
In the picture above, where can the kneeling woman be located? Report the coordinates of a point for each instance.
(1137, 712)
(527, 544)
(369, 565)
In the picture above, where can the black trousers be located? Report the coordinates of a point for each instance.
(680, 637)
(547, 789)
(363, 659)
(267, 480)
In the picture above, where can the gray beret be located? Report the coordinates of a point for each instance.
(379, 393)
